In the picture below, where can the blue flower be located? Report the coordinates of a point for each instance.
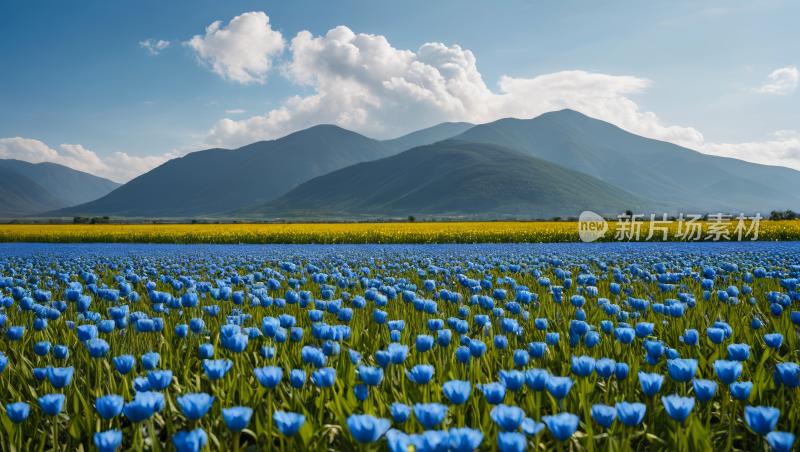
(430, 414)
(677, 407)
(109, 406)
(536, 379)
(780, 441)
(397, 353)
(773, 340)
(650, 383)
(18, 412)
(297, 378)
(494, 392)
(716, 335)
(604, 415)
(704, 389)
(42, 348)
(511, 442)
(324, 378)
(366, 428)
(631, 414)
(540, 324)
(521, 358)
(508, 418)
(269, 376)
(562, 425)
(424, 343)
(361, 392)
(456, 391)
(60, 352)
(150, 360)
(237, 418)
(788, 374)
(465, 439)
(60, 376)
(741, 390)
(738, 352)
(288, 423)
(537, 349)
(98, 348)
(400, 412)
(463, 354)
(551, 338)
(531, 427)
(644, 329)
(86, 332)
(52, 404)
(604, 367)
(727, 371)
(512, 379)
(420, 374)
(140, 384)
(371, 376)
(190, 441)
(582, 366)
(690, 337)
(195, 406)
(159, 379)
(443, 337)
(558, 387)
(761, 419)
(108, 441)
(124, 363)
(624, 335)
(682, 370)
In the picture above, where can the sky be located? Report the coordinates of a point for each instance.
(117, 88)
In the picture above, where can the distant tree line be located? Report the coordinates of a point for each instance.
(91, 220)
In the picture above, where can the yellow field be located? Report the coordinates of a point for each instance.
(445, 232)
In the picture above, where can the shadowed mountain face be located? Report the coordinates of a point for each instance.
(71, 186)
(651, 168)
(20, 196)
(217, 180)
(451, 177)
(430, 135)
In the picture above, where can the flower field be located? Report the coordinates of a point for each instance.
(352, 233)
(492, 347)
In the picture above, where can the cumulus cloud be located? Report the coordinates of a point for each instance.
(782, 152)
(362, 83)
(242, 51)
(781, 81)
(235, 112)
(119, 166)
(154, 46)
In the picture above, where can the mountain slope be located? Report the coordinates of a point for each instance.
(451, 177)
(71, 186)
(20, 196)
(430, 135)
(217, 180)
(651, 168)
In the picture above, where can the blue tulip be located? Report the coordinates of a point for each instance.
(463, 354)
(206, 351)
(788, 374)
(780, 441)
(190, 441)
(86, 332)
(738, 352)
(215, 370)
(109, 406)
(98, 348)
(727, 371)
(420, 374)
(531, 427)
(361, 392)
(716, 335)
(143, 405)
(562, 425)
(540, 324)
(644, 329)
(582, 366)
(604, 415)
(324, 378)
(604, 367)
(773, 340)
(424, 343)
(677, 407)
(237, 418)
(52, 404)
(42, 348)
(761, 419)
(430, 414)
(269, 376)
(650, 383)
(366, 428)
(494, 392)
(288, 423)
(400, 412)
(456, 391)
(521, 358)
(537, 349)
(536, 379)
(741, 390)
(18, 412)
(464, 439)
(704, 389)
(124, 363)
(508, 418)
(60, 377)
(297, 378)
(624, 335)
(371, 376)
(512, 379)
(108, 441)
(682, 370)
(60, 352)
(159, 379)
(551, 338)
(558, 387)
(690, 337)
(140, 384)
(630, 414)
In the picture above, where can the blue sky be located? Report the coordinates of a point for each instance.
(79, 87)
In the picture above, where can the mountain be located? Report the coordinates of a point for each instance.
(651, 168)
(20, 196)
(451, 177)
(430, 135)
(71, 186)
(216, 180)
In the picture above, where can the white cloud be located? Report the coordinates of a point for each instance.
(154, 46)
(364, 84)
(119, 166)
(784, 133)
(238, 111)
(777, 153)
(242, 51)
(781, 81)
